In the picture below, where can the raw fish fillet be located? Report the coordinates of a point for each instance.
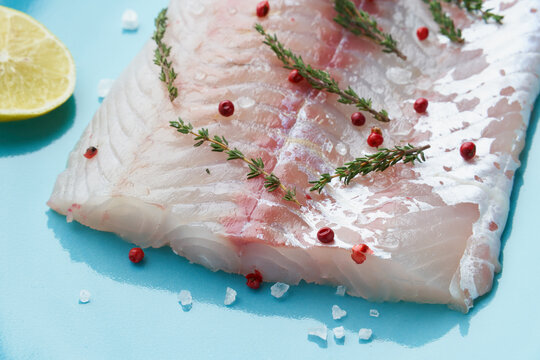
(434, 227)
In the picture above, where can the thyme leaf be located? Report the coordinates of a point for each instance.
(161, 54)
(361, 23)
(378, 161)
(446, 24)
(475, 7)
(220, 144)
(319, 79)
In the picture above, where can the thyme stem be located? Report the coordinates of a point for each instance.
(256, 166)
(379, 161)
(475, 7)
(361, 23)
(161, 54)
(446, 24)
(319, 79)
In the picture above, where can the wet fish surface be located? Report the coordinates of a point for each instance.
(434, 227)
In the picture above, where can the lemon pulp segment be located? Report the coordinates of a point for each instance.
(37, 72)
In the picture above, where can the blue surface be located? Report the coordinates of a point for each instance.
(134, 313)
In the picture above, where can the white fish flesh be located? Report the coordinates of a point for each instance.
(434, 227)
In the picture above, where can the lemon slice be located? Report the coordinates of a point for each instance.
(37, 72)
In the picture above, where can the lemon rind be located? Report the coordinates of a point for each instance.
(21, 114)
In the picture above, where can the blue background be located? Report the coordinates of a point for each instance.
(134, 313)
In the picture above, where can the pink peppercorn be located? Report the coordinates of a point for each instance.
(420, 105)
(136, 255)
(325, 235)
(468, 150)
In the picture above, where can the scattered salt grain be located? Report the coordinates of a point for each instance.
(374, 313)
(69, 216)
(245, 102)
(199, 75)
(338, 313)
(130, 20)
(320, 332)
(327, 146)
(185, 299)
(84, 296)
(260, 66)
(341, 148)
(279, 289)
(365, 334)
(104, 86)
(339, 332)
(341, 290)
(196, 8)
(230, 296)
(398, 75)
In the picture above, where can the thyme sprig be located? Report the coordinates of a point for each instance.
(379, 161)
(319, 79)
(256, 166)
(361, 23)
(446, 24)
(162, 52)
(475, 7)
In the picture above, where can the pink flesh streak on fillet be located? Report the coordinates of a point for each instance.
(434, 227)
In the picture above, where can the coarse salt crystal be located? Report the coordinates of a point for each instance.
(199, 75)
(130, 20)
(184, 298)
(279, 289)
(84, 296)
(230, 296)
(104, 86)
(339, 332)
(69, 216)
(374, 313)
(365, 334)
(341, 148)
(338, 313)
(398, 75)
(320, 332)
(341, 290)
(245, 102)
(196, 8)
